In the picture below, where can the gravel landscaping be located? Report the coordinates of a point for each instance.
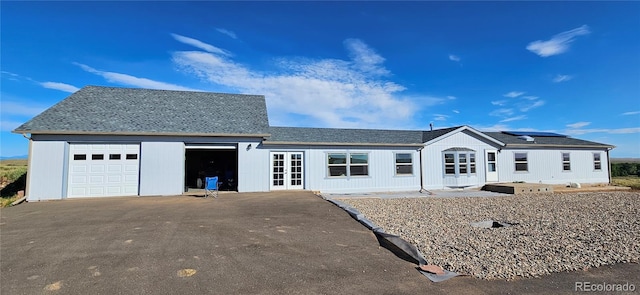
(551, 232)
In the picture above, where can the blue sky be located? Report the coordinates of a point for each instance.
(566, 67)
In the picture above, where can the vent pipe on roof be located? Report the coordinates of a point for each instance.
(431, 126)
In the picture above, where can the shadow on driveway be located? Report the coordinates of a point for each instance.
(258, 243)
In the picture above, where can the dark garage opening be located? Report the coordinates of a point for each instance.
(201, 163)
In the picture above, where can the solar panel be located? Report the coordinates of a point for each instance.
(533, 134)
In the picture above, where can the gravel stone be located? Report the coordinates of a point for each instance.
(551, 232)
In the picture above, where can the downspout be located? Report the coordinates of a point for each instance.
(609, 164)
(422, 190)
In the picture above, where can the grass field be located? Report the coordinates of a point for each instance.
(630, 181)
(12, 179)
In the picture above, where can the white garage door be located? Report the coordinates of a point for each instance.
(102, 170)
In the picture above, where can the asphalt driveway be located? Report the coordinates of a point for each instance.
(259, 243)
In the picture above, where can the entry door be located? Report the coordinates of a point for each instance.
(287, 170)
(491, 164)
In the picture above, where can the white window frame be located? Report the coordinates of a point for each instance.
(351, 165)
(516, 162)
(472, 163)
(348, 164)
(597, 164)
(468, 165)
(449, 164)
(398, 165)
(566, 164)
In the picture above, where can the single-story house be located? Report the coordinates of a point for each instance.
(106, 141)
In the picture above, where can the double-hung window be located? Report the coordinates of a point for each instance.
(404, 164)
(462, 163)
(347, 164)
(521, 162)
(566, 162)
(450, 163)
(472, 163)
(359, 165)
(597, 162)
(337, 164)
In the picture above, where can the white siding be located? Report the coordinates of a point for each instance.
(47, 170)
(161, 168)
(433, 166)
(253, 168)
(161, 163)
(545, 166)
(381, 170)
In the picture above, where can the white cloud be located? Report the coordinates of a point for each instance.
(578, 125)
(60, 86)
(199, 44)
(25, 109)
(631, 113)
(530, 97)
(456, 111)
(331, 92)
(454, 58)
(537, 103)
(132, 80)
(516, 118)
(562, 78)
(12, 76)
(365, 58)
(502, 112)
(499, 102)
(513, 94)
(557, 44)
(604, 130)
(440, 117)
(451, 97)
(227, 32)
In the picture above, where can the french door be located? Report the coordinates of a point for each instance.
(287, 170)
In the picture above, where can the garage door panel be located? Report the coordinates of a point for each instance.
(79, 191)
(97, 168)
(114, 168)
(99, 147)
(79, 179)
(79, 168)
(96, 179)
(130, 179)
(131, 168)
(97, 191)
(114, 179)
(103, 170)
(115, 190)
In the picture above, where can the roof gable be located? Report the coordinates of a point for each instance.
(454, 130)
(110, 110)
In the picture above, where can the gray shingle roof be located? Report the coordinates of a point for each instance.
(512, 140)
(110, 110)
(302, 135)
(430, 135)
